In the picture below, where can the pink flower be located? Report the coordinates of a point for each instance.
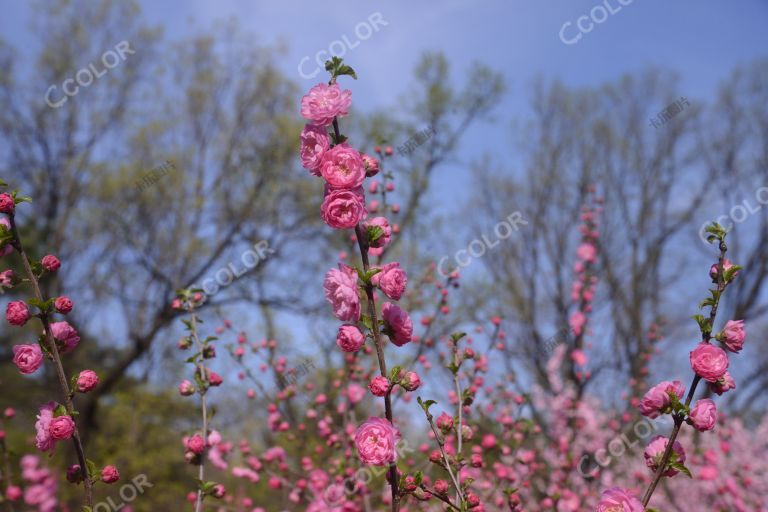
(376, 440)
(386, 235)
(441, 486)
(586, 252)
(399, 327)
(723, 384)
(6, 276)
(379, 385)
(7, 204)
(27, 358)
(733, 335)
(13, 492)
(444, 422)
(577, 321)
(392, 281)
(355, 393)
(195, 444)
(371, 165)
(343, 209)
(63, 305)
(87, 380)
(704, 415)
(617, 499)
(709, 362)
(657, 399)
(343, 168)
(349, 338)
(324, 102)
(655, 451)
(17, 313)
(186, 388)
(43, 439)
(411, 381)
(342, 292)
(726, 265)
(218, 491)
(314, 144)
(66, 334)
(62, 427)
(110, 475)
(51, 263)
(214, 379)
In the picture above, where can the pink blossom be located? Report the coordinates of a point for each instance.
(577, 322)
(87, 380)
(343, 209)
(110, 474)
(704, 415)
(43, 439)
(379, 385)
(186, 388)
(195, 444)
(444, 422)
(655, 451)
(66, 334)
(314, 144)
(342, 167)
(62, 427)
(399, 327)
(63, 304)
(617, 499)
(6, 276)
(51, 263)
(324, 102)
(411, 381)
(709, 362)
(376, 440)
(17, 313)
(586, 252)
(657, 399)
(13, 492)
(371, 165)
(7, 204)
(341, 291)
(349, 338)
(386, 235)
(355, 393)
(723, 384)
(726, 265)
(733, 335)
(392, 280)
(27, 358)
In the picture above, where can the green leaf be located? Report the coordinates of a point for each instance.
(425, 405)
(456, 336)
(394, 374)
(681, 468)
(60, 410)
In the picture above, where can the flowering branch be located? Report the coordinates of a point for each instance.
(55, 422)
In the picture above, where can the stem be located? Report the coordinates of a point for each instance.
(440, 444)
(679, 418)
(362, 243)
(54, 352)
(201, 369)
(460, 417)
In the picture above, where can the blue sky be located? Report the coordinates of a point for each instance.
(701, 40)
